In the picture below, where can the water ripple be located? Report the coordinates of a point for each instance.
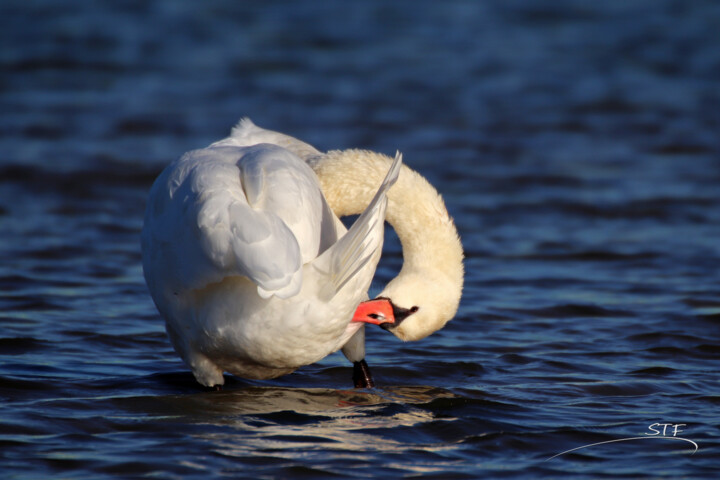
(574, 143)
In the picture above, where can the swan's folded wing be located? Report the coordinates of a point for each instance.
(279, 183)
(361, 246)
(209, 228)
(256, 244)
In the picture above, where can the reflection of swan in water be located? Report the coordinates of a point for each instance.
(307, 401)
(317, 419)
(294, 423)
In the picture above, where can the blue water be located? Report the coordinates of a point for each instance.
(575, 143)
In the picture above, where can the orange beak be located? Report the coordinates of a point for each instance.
(376, 311)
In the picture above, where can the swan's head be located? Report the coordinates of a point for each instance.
(426, 293)
(412, 306)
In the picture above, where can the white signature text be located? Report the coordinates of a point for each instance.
(656, 433)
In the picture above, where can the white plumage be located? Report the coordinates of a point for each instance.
(249, 266)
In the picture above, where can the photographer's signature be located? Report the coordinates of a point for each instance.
(657, 431)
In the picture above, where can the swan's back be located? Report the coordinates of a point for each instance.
(221, 211)
(246, 133)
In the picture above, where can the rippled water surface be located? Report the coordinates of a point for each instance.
(576, 145)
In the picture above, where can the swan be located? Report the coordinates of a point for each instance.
(246, 259)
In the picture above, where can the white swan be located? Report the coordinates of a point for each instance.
(252, 272)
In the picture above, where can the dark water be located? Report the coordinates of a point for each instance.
(576, 144)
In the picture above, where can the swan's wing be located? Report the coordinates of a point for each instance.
(362, 244)
(246, 134)
(221, 211)
(278, 183)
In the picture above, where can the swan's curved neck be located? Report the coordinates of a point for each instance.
(430, 243)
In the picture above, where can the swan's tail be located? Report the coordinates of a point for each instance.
(361, 246)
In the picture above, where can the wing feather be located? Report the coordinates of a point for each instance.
(363, 241)
(220, 211)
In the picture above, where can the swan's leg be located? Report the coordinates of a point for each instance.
(205, 371)
(361, 375)
(354, 350)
